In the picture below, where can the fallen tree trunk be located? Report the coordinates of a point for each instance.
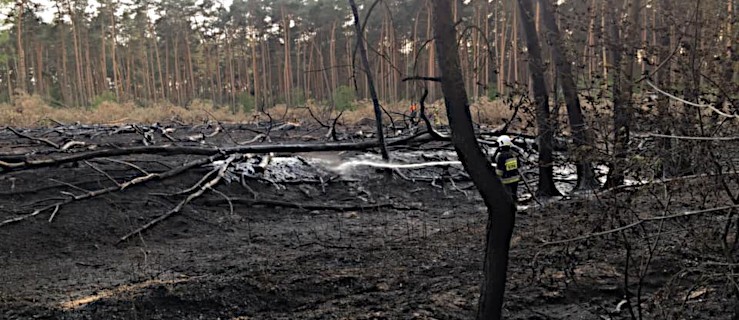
(306, 206)
(24, 162)
(19, 162)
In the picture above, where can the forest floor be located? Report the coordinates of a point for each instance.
(407, 250)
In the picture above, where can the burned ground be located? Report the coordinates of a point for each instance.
(408, 250)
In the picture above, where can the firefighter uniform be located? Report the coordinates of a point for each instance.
(506, 166)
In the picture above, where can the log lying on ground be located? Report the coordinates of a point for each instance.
(25, 162)
(17, 162)
(307, 206)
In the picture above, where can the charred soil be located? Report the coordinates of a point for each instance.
(406, 250)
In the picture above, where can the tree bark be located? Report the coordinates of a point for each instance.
(604, 43)
(22, 72)
(9, 83)
(514, 47)
(286, 66)
(589, 52)
(19, 162)
(623, 51)
(663, 102)
(324, 74)
(176, 70)
(67, 96)
(431, 65)
(266, 71)
(80, 93)
(190, 70)
(40, 82)
(332, 58)
(113, 59)
(546, 185)
(231, 72)
(370, 83)
(585, 173)
(128, 60)
(89, 80)
(146, 65)
(255, 75)
(218, 77)
(502, 44)
(501, 208)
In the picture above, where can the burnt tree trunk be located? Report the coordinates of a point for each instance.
(615, 176)
(501, 208)
(370, 82)
(543, 118)
(664, 79)
(691, 90)
(585, 174)
(22, 72)
(624, 51)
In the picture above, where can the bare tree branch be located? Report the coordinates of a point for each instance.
(639, 222)
(712, 108)
(135, 181)
(41, 140)
(187, 200)
(667, 136)
(432, 79)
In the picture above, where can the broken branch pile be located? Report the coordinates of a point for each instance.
(132, 156)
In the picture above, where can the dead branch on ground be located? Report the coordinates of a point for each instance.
(332, 130)
(178, 208)
(24, 162)
(228, 133)
(136, 181)
(309, 206)
(257, 137)
(40, 140)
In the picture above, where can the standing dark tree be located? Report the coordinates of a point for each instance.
(545, 130)
(501, 208)
(370, 82)
(691, 80)
(22, 71)
(623, 49)
(664, 78)
(585, 174)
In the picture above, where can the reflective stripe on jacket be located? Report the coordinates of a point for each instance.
(506, 166)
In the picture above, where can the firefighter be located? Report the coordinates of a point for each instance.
(506, 166)
(414, 114)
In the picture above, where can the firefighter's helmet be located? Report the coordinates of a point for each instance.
(505, 141)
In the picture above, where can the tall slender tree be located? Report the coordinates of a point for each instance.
(500, 206)
(22, 71)
(544, 120)
(624, 52)
(664, 79)
(585, 173)
(370, 82)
